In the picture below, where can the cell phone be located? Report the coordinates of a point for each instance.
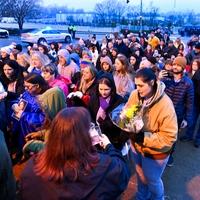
(94, 134)
(98, 128)
(170, 74)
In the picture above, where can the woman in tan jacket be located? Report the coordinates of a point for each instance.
(152, 145)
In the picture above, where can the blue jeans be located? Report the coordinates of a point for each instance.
(149, 173)
(191, 129)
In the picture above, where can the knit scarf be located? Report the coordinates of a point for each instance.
(104, 103)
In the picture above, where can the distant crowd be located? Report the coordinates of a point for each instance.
(50, 94)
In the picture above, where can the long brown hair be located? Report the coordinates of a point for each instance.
(198, 64)
(69, 149)
(125, 63)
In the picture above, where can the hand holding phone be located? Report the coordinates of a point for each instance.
(94, 134)
(104, 141)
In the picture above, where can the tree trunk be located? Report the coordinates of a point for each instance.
(20, 24)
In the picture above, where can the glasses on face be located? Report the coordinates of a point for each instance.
(30, 87)
(46, 71)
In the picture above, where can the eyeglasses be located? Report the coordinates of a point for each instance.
(30, 87)
(46, 71)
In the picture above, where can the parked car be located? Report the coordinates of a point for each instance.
(45, 36)
(4, 33)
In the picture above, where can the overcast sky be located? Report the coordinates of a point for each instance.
(163, 5)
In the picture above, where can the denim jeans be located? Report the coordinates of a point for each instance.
(149, 173)
(190, 130)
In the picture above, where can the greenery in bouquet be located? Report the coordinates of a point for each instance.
(130, 119)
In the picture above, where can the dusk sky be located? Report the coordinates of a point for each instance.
(163, 5)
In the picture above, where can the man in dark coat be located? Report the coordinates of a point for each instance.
(121, 47)
(194, 54)
(181, 91)
(170, 50)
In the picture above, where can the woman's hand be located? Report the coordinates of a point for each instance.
(3, 95)
(162, 74)
(33, 135)
(104, 141)
(184, 123)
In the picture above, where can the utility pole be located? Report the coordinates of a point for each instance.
(141, 6)
(174, 5)
(174, 16)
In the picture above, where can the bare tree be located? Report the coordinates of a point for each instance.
(110, 11)
(18, 9)
(152, 13)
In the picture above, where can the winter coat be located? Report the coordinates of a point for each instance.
(191, 56)
(69, 70)
(106, 181)
(160, 124)
(115, 135)
(196, 82)
(169, 51)
(32, 118)
(154, 42)
(61, 84)
(123, 49)
(182, 95)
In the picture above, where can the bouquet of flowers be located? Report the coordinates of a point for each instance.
(128, 119)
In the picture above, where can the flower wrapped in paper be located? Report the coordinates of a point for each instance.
(128, 119)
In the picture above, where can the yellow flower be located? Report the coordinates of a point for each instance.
(131, 112)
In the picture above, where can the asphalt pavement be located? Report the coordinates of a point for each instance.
(181, 181)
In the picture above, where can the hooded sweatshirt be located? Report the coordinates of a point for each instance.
(52, 101)
(160, 123)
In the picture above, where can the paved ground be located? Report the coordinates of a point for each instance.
(182, 181)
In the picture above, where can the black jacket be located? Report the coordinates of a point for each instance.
(196, 82)
(105, 182)
(115, 134)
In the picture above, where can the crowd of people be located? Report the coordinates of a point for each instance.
(50, 95)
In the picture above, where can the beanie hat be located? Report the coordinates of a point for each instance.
(180, 61)
(6, 49)
(106, 59)
(85, 63)
(65, 54)
(18, 47)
